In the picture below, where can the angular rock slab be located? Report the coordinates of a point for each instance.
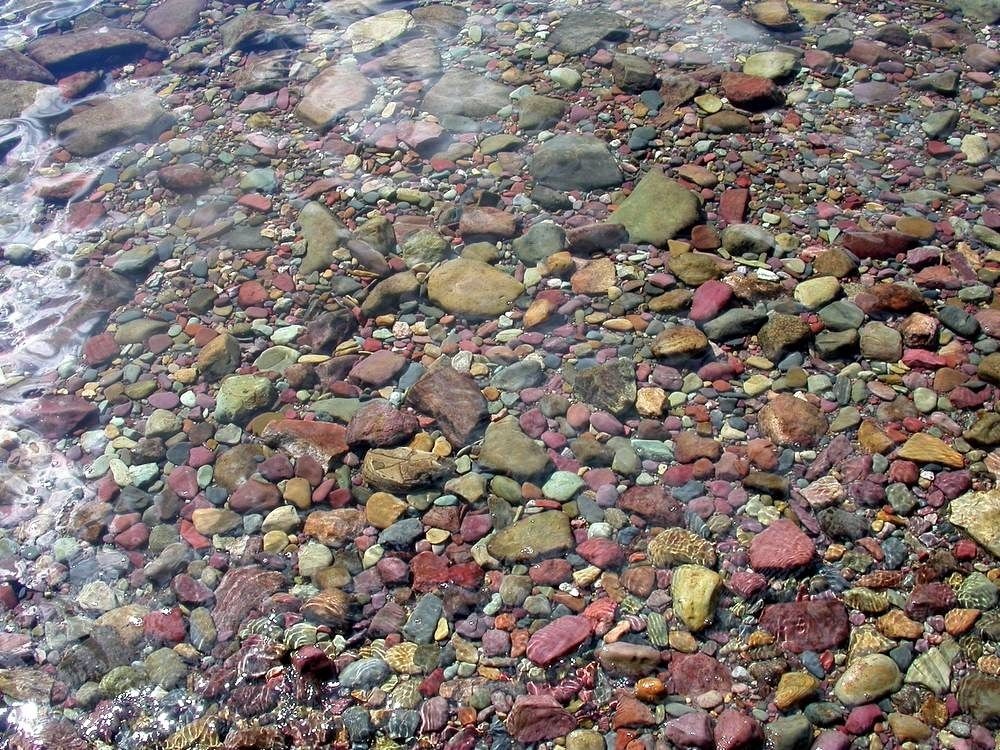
(334, 92)
(979, 514)
(811, 625)
(115, 122)
(402, 469)
(93, 48)
(472, 288)
(658, 209)
(459, 92)
(532, 538)
(575, 162)
(455, 402)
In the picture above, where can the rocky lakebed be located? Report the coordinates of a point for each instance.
(484, 375)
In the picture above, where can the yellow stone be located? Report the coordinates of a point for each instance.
(298, 492)
(185, 375)
(442, 630)
(649, 402)
(926, 448)
(422, 442)
(895, 624)
(383, 509)
(437, 536)
(914, 226)
(275, 541)
(441, 447)
(695, 591)
(538, 312)
(872, 439)
(559, 264)
(794, 688)
(683, 641)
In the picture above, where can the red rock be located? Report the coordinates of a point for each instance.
(746, 583)
(928, 599)
(378, 368)
(653, 503)
(56, 417)
(788, 420)
(84, 215)
(431, 571)
(781, 546)
(100, 349)
(550, 572)
(134, 537)
(733, 205)
(534, 718)
(557, 639)
(242, 590)
(709, 300)
(485, 221)
(64, 186)
(602, 553)
(93, 48)
(692, 730)
(862, 719)
(255, 202)
(689, 446)
(694, 674)
(165, 627)
(878, 245)
(808, 625)
(255, 496)
(632, 713)
(750, 92)
(190, 591)
(735, 730)
(184, 481)
(184, 178)
(321, 441)
(454, 401)
(251, 293)
(378, 424)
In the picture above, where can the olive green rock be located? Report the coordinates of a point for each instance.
(658, 209)
(532, 538)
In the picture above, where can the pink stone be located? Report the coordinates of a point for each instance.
(692, 730)
(862, 718)
(602, 553)
(878, 245)
(578, 416)
(255, 496)
(557, 639)
(184, 481)
(733, 205)
(808, 625)
(709, 300)
(697, 673)
(737, 731)
(538, 717)
(166, 627)
(781, 546)
(654, 503)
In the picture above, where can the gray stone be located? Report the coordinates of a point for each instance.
(466, 94)
(240, 397)
(575, 162)
(539, 242)
(658, 209)
(114, 122)
(507, 450)
(423, 619)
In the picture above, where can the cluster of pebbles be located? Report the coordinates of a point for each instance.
(491, 375)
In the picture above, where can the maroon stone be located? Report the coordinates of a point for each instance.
(172, 18)
(878, 245)
(692, 730)
(378, 424)
(752, 93)
(697, 673)
(557, 639)
(781, 546)
(485, 221)
(928, 599)
(255, 496)
(534, 718)
(185, 178)
(55, 417)
(242, 591)
(602, 553)
(378, 368)
(653, 503)
(734, 730)
(100, 349)
(322, 441)
(166, 627)
(733, 205)
(809, 625)
(455, 402)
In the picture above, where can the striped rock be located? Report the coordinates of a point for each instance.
(558, 638)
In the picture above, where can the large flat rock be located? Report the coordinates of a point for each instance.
(93, 48)
(114, 122)
(332, 94)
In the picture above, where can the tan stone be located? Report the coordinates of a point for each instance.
(925, 448)
(794, 688)
(595, 277)
(979, 514)
(383, 509)
(872, 439)
(649, 402)
(679, 342)
(895, 624)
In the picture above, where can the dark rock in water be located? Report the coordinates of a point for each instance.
(328, 330)
(575, 162)
(609, 386)
(94, 657)
(256, 31)
(172, 18)
(85, 50)
(364, 674)
(578, 31)
(557, 639)
(654, 504)
(455, 402)
(979, 695)
(17, 67)
(812, 625)
(56, 417)
(114, 122)
(694, 674)
(534, 718)
(422, 622)
(460, 92)
(378, 424)
(242, 591)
